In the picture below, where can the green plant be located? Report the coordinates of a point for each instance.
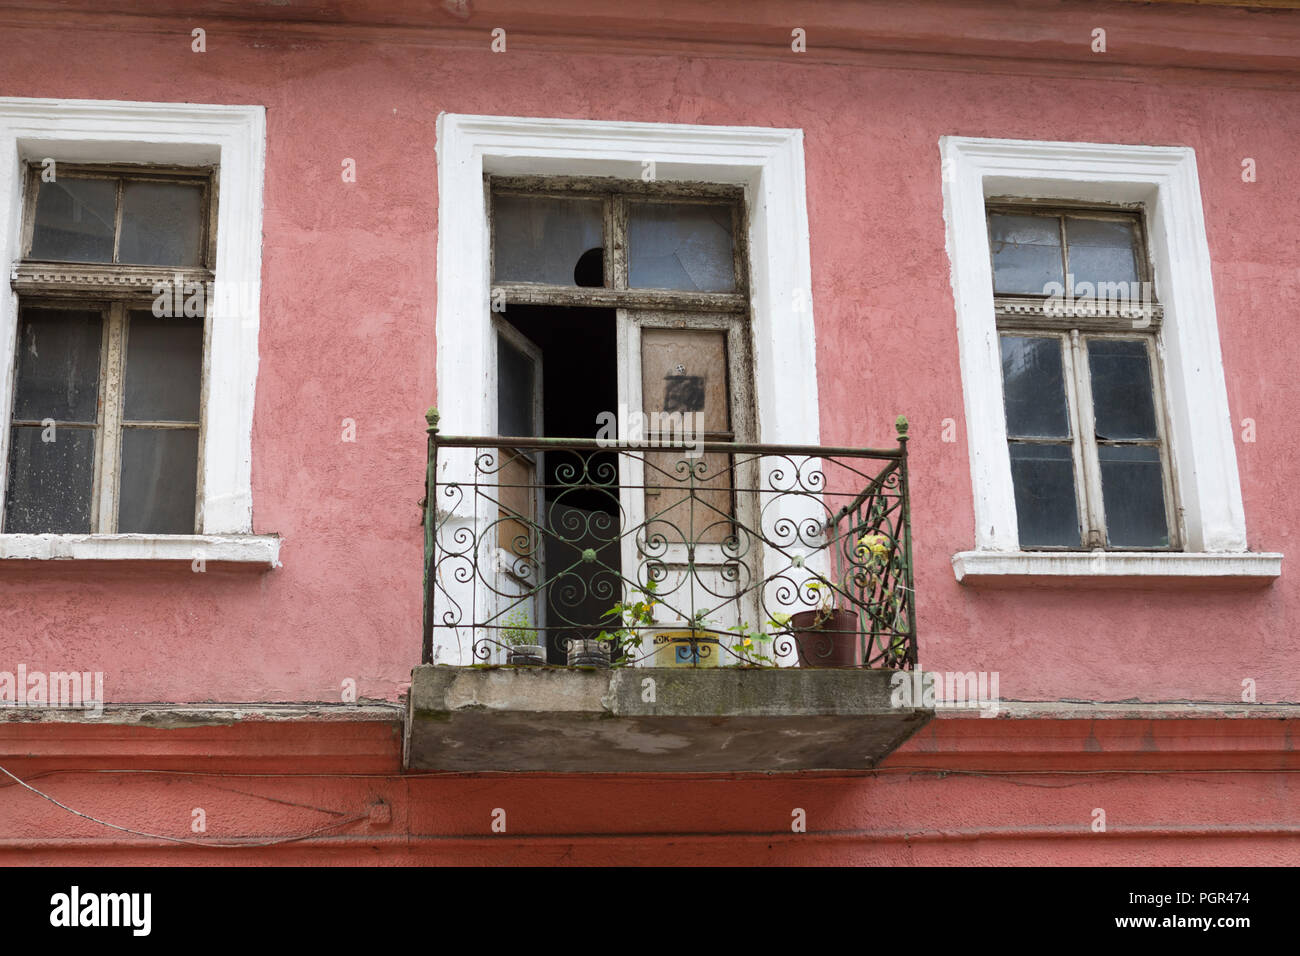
(630, 619)
(874, 548)
(754, 644)
(518, 630)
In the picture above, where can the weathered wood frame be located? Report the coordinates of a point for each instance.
(114, 290)
(728, 313)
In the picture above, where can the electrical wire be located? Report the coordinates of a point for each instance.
(182, 840)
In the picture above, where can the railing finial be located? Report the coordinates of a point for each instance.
(431, 416)
(900, 423)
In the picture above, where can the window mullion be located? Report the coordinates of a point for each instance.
(111, 418)
(117, 218)
(1086, 444)
(616, 269)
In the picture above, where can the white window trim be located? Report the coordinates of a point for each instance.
(1164, 179)
(110, 131)
(769, 163)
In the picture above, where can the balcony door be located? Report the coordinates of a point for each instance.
(632, 295)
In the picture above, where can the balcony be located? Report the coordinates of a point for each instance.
(711, 607)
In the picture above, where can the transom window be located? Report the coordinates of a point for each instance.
(1079, 332)
(105, 433)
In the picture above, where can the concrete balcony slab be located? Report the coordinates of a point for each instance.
(652, 720)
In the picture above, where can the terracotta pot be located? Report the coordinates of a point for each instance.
(827, 639)
(686, 649)
(526, 655)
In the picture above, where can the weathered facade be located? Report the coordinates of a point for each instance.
(1118, 578)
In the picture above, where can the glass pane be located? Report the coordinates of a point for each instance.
(542, 240)
(684, 373)
(50, 482)
(75, 220)
(1026, 253)
(1132, 489)
(58, 365)
(680, 246)
(159, 480)
(516, 389)
(164, 369)
(1045, 503)
(162, 224)
(1121, 389)
(1033, 384)
(1101, 250)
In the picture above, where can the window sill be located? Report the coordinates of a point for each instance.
(1141, 569)
(255, 551)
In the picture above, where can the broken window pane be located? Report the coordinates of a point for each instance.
(51, 477)
(1046, 511)
(680, 246)
(164, 369)
(537, 239)
(1034, 387)
(75, 220)
(1026, 254)
(162, 224)
(159, 480)
(1101, 250)
(1121, 389)
(58, 365)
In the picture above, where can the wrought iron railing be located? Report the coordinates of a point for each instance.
(542, 550)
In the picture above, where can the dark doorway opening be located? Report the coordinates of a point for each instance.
(581, 512)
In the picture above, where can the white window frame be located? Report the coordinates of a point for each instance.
(1164, 180)
(767, 163)
(232, 138)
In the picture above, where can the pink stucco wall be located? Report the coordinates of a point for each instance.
(349, 291)
(964, 791)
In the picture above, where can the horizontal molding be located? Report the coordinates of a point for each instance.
(107, 280)
(292, 738)
(262, 550)
(1058, 35)
(1133, 568)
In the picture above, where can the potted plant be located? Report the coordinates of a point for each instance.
(588, 652)
(521, 640)
(826, 636)
(696, 647)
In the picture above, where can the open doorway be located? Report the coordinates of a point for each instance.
(576, 351)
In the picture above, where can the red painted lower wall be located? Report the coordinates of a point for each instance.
(1203, 791)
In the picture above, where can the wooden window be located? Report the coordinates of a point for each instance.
(1079, 331)
(664, 266)
(107, 423)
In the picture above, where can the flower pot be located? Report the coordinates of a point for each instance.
(827, 639)
(685, 649)
(526, 655)
(588, 653)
